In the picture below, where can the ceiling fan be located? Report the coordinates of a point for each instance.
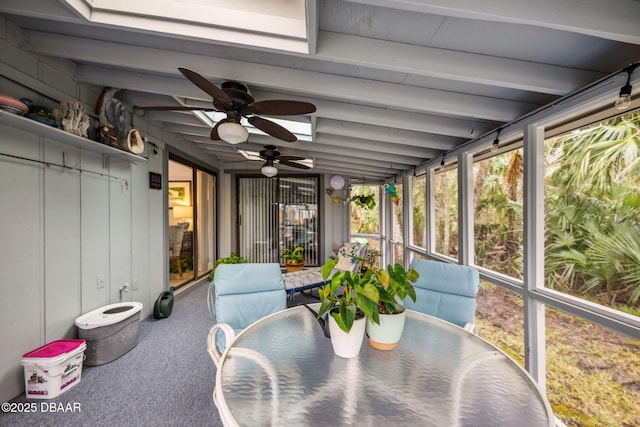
(234, 99)
(271, 155)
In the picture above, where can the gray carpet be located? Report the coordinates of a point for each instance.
(166, 380)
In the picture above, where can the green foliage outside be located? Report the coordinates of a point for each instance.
(364, 220)
(418, 222)
(231, 259)
(446, 212)
(592, 207)
(593, 203)
(498, 220)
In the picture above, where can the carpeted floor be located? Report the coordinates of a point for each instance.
(166, 380)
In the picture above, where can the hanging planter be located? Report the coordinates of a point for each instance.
(364, 201)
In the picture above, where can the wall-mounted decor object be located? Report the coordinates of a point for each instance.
(337, 182)
(391, 189)
(155, 181)
(179, 193)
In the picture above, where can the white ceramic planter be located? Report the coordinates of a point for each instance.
(345, 344)
(385, 336)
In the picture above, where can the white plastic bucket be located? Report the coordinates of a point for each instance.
(54, 368)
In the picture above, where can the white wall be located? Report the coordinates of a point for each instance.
(71, 240)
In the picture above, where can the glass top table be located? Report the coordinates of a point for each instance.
(282, 371)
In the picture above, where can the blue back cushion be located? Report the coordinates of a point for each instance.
(247, 292)
(447, 291)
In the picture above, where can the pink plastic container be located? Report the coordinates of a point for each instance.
(53, 368)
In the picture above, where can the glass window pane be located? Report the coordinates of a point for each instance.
(592, 215)
(299, 216)
(504, 325)
(365, 219)
(418, 217)
(205, 227)
(498, 223)
(278, 213)
(181, 225)
(258, 219)
(446, 212)
(365, 216)
(593, 373)
(398, 226)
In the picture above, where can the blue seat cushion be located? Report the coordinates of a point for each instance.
(247, 292)
(456, 309)
(447, 291)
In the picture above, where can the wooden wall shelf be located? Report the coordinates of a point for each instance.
(28, 125)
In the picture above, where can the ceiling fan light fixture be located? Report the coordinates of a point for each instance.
(233, 133)
(268, 169)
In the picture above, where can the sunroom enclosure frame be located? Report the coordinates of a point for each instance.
(531, 130)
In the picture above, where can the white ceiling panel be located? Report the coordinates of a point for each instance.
(395, 83)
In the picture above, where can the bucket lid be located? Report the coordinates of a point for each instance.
(108, 315)
(54, 349)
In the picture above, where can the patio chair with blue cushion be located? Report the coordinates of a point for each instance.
(446, 291)
(239, 295)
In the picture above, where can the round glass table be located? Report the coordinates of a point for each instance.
(281, 371)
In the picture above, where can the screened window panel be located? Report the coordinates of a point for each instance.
(278, 213)
(299, 216)
(397, 218)
(258, 219)
(417, 214)
(446, 212)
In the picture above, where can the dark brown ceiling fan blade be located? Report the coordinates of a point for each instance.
(204, 84)
(214, 131)
(282, 107)
(292, 164)
(273, 129)
(168, 108)
(288, 158)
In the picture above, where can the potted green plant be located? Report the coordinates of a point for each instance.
(394, 285)
(348, 299)
(370, 261)
(365, 201)
(231, 259)
(294, 258)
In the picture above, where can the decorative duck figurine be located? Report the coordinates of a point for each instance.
(391, 189)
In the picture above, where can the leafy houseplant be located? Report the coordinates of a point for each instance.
(232, 259)
(394, 285)
(359, 294)
(364, 201)
(294, 258)
(347, 310)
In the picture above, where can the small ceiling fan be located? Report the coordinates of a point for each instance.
(272, 156)
(234, 99)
